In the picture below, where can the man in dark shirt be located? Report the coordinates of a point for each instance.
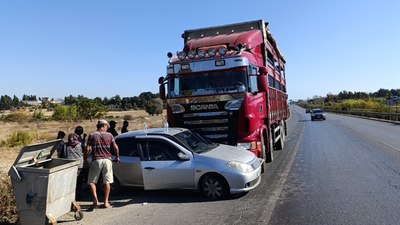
(99, 145)
(111, 128)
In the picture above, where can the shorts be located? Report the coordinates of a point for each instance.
(103, 166)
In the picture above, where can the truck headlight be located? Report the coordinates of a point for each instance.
(234, 104)
(240, 167)
(177, 108)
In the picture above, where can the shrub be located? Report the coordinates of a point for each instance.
(65, 112)
(128, 117)
(18, 117)
(39, 115)
(19, 138)
(8, 209)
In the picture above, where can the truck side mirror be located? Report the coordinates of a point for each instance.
(162, 88)
(262, 70)
(262, 79)
(262, 83)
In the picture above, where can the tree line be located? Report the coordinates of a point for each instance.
(113, 103)
(381, 101)
(81, 107)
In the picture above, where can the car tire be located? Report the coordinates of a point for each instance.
(214, 187)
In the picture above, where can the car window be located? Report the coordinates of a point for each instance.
(318, 111)
(155, 150)
(127, 147)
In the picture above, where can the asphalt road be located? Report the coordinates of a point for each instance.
(340, 171)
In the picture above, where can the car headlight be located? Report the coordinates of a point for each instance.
(247, 145)
(240, 167)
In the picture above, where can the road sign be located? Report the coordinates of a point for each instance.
(395, 98)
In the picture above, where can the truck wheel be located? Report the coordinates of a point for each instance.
(214, 187)
(281, 143)
(269, 153)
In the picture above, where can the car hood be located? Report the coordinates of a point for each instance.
(230, 153)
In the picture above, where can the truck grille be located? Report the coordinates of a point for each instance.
(218, 126)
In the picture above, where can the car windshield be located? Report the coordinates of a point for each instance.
(194, 142)
(207, 83)
(318, 111)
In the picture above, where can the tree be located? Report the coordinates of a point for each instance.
(65, 112)
(5, 102)
(155, 106)
(89, 109)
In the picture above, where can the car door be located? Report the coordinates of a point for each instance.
(128, 171)
(161, 166)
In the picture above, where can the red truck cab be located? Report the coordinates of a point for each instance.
(228, 84)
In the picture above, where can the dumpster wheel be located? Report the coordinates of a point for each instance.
(77, 209)
(78, 215)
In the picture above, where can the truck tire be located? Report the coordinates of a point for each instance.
(269, 153)
(280, 144)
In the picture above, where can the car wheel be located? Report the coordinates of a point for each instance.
(214, 187)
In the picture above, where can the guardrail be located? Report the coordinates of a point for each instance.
(394, 117)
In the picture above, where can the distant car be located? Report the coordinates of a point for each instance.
(177, 158)
(317, 114)
(308, 110)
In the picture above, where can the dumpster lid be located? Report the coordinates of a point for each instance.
(37, 153)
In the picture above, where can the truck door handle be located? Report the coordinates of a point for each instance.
(149, 168)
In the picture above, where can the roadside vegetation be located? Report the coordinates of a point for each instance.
(382, 104)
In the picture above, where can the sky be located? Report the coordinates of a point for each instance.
(99, 48)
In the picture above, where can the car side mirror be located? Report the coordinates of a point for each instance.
(183, 157)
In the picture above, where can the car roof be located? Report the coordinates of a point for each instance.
(152, 131)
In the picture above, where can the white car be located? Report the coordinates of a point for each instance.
(177, 158)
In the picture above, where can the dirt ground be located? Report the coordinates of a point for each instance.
(47, 130)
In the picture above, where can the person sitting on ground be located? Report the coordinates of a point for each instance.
(111, 129)
(124, 128)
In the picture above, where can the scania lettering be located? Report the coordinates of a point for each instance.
(229, 84)
(204, 107)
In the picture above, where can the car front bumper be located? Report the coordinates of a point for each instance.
(242, 182)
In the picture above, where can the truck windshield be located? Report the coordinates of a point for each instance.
(207, 83)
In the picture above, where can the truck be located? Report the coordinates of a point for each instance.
(229, 85)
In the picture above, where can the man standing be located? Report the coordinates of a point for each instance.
(111, 128)
(99, 144)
